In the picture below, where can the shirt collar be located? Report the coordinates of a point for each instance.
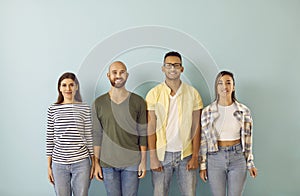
(179, 90)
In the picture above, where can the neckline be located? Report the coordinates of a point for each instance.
(112, 101)
(226, 106)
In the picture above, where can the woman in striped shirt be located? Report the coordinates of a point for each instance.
(69, 140)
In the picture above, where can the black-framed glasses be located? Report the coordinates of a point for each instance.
(170, 65)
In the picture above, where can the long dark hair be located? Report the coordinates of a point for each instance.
(68, 75)
(223, 73)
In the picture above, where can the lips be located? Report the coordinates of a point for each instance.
(118, 80)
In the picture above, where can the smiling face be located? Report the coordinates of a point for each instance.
(117, 74)
(225, 87)
(68, 89)
(172, 68)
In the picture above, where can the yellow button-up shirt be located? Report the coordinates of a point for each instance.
(188, 100)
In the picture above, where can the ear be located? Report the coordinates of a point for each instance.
(182, 69)
(107, 75)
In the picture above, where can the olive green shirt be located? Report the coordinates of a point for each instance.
(120, 130)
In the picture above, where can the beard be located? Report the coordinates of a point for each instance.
(117, 85)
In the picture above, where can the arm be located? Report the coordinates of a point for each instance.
(50, 144)
(203, 148)
(142, 165)
(193, 163)
(248, 149)
(50, 174)
(97, 141)
(89, 139)
(97, 168)
(155, 164)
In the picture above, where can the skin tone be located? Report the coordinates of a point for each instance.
(117, 76)
(68, 88)
(225, 87)
(173, 81)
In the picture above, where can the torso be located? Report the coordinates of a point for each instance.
(228, 143)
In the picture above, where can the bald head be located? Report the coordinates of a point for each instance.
(117, 65)
(117, 74)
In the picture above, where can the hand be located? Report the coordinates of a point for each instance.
(142, 170)
(98, 172)
(253, 172)
(92, 169)
(192, 164)
(155, 164)
(203, 175)
(50, 175)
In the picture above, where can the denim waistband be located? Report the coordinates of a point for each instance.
(231, 148)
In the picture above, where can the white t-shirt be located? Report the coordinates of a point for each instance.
(174, 143)
(227, 125)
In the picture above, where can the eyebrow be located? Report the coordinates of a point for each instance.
(117, 70)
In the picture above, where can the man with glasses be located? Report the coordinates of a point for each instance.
(174, 110)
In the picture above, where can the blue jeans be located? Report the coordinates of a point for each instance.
(186, 180)
(70, 178)
(226, 171)
(121, 181)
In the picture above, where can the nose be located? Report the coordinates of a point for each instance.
(172, 66)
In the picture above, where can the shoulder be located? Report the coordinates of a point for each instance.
(136, 99)
(101, 98)
(54, 106)
(210, 107)
(190, 88)
(242, 107)
(155, 91)
(82, 105)
(157, 88)
(136, 96)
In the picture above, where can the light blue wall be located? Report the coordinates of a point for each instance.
(257, 40)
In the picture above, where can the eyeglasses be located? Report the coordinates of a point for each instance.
(170, 65)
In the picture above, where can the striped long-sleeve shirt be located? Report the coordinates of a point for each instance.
(69, 133)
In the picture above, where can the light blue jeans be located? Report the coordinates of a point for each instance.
(70, 178)
(226, 170)
(186, 180)
(121, 181)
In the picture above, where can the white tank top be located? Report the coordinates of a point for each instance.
(227, 125)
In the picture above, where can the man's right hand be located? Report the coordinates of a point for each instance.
(98, 172)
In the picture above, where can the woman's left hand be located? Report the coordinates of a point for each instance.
(92, 167)
(253, 172)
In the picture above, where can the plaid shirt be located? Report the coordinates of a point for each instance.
(209, 135)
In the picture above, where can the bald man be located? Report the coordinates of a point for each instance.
(119, 125)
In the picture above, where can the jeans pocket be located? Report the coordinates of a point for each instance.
(238, 151)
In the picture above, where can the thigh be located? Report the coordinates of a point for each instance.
(161, 180)
(217, 173)
(129, 181)
(186, 179)
(62, 179)
(237, 174)
(112, 181)
(80, 180)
